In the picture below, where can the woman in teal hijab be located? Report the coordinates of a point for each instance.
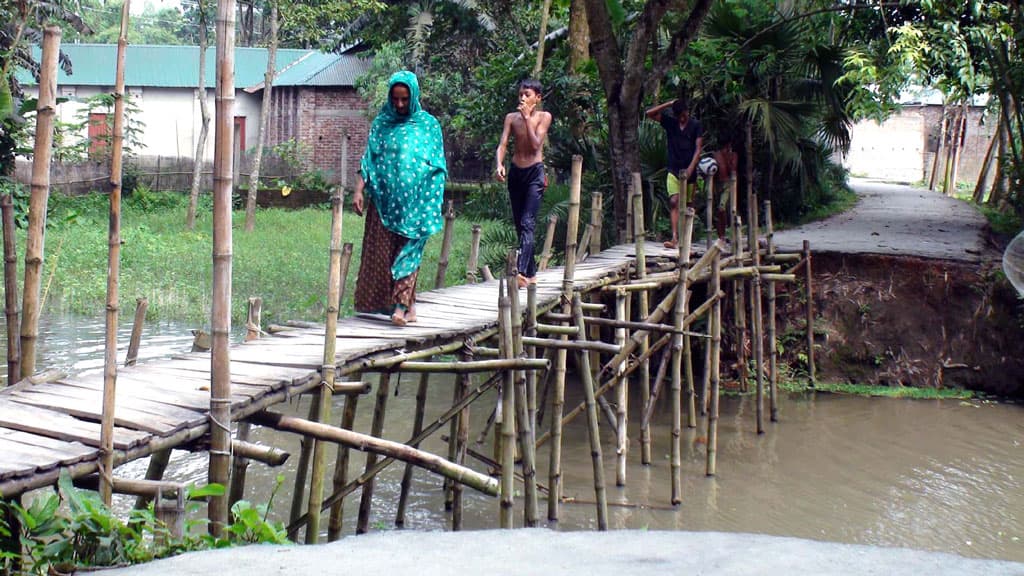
(402, 175)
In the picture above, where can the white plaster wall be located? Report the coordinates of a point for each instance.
(893, 150)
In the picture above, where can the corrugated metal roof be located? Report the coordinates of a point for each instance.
(320, 69)
(162, 66)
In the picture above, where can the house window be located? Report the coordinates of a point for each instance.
(99, 135)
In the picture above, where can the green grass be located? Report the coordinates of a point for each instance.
(882, 391)
(283, 261)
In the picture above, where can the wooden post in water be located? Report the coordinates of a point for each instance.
(508, 411)
(446, 246)
(348, 418)
(773, 352)
(716, 348)
(682, 288)
(376, 429)
(11, 291)
(328, 369)
(706, 377)
(253, 319)
(417, 427)
(739, 307)
(220, 315)
(46, 108)
(622, 389)
(528, 449)
(558, 392)
(810, 313)
(685, 234)
(472, 264)
(133, 345)
(113, 270)
(640, 238)
(240, 464)
(594, 433)
(756, 321)
(549, 239)
(462, 383)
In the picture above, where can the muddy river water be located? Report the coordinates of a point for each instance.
(933, 475)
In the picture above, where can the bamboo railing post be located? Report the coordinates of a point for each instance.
(11, 291)
(348, 417)
(683, 309)
(417, 427)
(254, 319)
(220, 314)
(133, 344)
(530, 330)
(622, 389)
(592, 421)
(709, 215)
(376, 430)
(35, 238)
(528, 450)
(756, 321)
(446, 247)
(596, 221)
(740, 307)
(508, 412)
(328, 368)
(682, 288)
(773, 367)
(810, 313)
(113, 270)
(716, 346)
(558, 392)
(640, 238)
(472, 264)
(549, 239)
(462, 384)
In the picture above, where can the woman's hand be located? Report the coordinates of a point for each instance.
(357, 202)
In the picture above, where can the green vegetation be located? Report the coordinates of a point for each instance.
(72, 529)
(882, 391)
(284, 261)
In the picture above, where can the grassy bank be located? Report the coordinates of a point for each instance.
(881, 391)
(284, 260)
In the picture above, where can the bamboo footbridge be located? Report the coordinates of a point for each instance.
(616, 311)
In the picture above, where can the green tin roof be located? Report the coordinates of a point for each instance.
(178, 66)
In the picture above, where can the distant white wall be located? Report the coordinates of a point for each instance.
(893, 150)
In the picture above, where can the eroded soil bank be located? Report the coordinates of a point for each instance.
(907, 321)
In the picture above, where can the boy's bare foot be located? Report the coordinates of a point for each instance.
(671, 244)
(401, 316)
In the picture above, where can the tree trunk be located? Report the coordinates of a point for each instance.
(261, 133)
(220, 313)
(986, 167)
(539, 65)
(204, 127)
(579, 35)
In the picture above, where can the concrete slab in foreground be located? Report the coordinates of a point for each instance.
(545, 552)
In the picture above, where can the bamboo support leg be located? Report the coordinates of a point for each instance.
(133, 345)
(348, 418)
(302, 470)
(810, 313)
(622, 389)
(417, 427)
(474, 256)
(377, 430)
(508, 411)
(716, 345)
(239, 467)
(756, 318)
(773, 366)
(462, 383)
(527, 447)
(154, 471)
(640, 238)
(594, 432)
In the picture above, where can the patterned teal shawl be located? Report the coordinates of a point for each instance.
(404, 170)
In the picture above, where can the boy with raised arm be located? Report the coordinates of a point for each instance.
(526, 178)
(685, 140)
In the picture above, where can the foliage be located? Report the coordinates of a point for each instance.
(99, 145)
(153, 25)
(19, 197)
(879, 391)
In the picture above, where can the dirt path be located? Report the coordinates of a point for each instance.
(897, 220)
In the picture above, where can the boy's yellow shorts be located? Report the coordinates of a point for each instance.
(672, 187)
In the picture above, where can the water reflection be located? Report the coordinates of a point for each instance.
(934, 475)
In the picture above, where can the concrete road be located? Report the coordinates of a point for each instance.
(547, 553)
(897, 220)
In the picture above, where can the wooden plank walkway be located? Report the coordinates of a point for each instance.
(161, 404)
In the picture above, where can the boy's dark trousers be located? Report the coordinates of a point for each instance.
(525, 190)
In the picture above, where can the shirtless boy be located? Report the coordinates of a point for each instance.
(526, 179)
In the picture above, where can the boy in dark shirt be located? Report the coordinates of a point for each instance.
(685, 139)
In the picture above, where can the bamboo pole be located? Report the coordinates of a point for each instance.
(622, 395)
(253, 319)
(11, 291)
(348, 417)
(417, 427)
(530, 331)
(581, 254)
(377, 446)
(376, 430)
(328, 369)
(596, 221)
(133, 345)
(239, 465)
(676, 405)
(528, 449)
(773, 352)
(475, 366)
(302, 469)
(757, 321)
(685, 235)
(220, 315)
(572, 345)
(594, 432)
(640, 238)
(716, 346)
(446, 244)
(462, 383)
(35, 237)
(549, 239)
(158, 462)
(739, 308)
(939, 146)
(113, 269)
(558, 392)
(508, 410)
(472, 264)
(810, 313)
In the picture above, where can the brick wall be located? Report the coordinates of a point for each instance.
(326, 117)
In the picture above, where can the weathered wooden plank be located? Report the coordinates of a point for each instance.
(63, 426)
(127, 418)
(124, 401)
(72, 450)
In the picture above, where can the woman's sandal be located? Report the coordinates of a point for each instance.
(398, 316)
